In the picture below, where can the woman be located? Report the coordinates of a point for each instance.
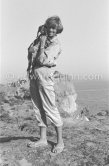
(45, 51)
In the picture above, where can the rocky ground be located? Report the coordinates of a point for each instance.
(86, 139)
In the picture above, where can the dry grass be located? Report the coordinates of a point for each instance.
(86, 142)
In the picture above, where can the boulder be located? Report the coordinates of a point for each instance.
(68, 104)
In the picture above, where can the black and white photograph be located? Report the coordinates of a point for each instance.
(54, 83)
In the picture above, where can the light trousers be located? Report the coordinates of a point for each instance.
(43, 99)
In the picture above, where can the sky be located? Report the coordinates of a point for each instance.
(84, 40)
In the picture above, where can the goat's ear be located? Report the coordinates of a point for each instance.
(41, 30)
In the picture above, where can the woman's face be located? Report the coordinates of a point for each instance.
(51, 31)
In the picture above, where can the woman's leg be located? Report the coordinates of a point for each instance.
(60, 144)
(59, 135)
(40, 115)
(48, 102)
(42, 141)
(43, 136)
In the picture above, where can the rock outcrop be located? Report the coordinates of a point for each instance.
(18, 92)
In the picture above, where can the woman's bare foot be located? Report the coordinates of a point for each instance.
(38, 143)
(58, 148)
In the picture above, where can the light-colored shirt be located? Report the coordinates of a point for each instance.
(51, 53)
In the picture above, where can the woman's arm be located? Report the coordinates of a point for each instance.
(47, 57)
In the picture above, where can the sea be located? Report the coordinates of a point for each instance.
(94, 94)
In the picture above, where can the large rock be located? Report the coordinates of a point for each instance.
(68, 104)
(65, 93)
(66, 99)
